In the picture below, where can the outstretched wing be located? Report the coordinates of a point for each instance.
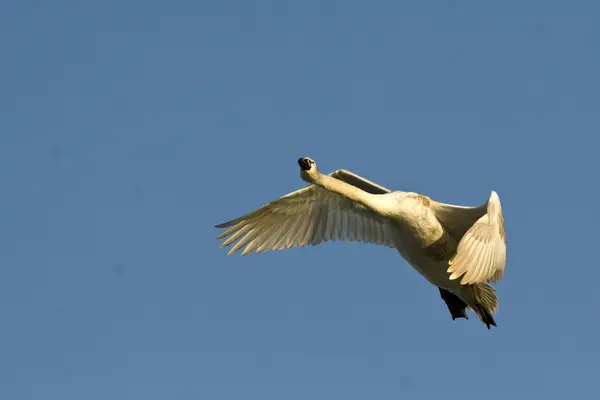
(481, 252)
(308, 216)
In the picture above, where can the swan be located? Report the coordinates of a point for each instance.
(459, 249)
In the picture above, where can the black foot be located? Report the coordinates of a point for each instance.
(457, 307)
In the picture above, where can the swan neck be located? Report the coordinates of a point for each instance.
(350, 192)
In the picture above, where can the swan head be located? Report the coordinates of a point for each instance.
(308, 169)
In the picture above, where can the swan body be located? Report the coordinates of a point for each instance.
(458, 249)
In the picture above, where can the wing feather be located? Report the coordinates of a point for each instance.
(481, 252)
(311, 215)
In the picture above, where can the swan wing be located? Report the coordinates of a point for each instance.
(308, 216)
(457, 220)
(481, 252)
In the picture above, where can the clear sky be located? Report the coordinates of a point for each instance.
(129, 128)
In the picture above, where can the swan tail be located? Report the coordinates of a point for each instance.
(457, 307)
(486, 303)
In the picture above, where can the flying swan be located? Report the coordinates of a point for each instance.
(458, 249)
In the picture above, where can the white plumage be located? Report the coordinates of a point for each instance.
(443, 242)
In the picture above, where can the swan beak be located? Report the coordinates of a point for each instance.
(304, 164)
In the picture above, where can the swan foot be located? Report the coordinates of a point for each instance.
(456, 306)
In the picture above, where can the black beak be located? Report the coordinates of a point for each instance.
(304, 164)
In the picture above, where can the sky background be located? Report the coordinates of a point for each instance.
(128, 129)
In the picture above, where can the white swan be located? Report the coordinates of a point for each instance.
(442, 242)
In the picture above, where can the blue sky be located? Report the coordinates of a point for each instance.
(129, 128)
